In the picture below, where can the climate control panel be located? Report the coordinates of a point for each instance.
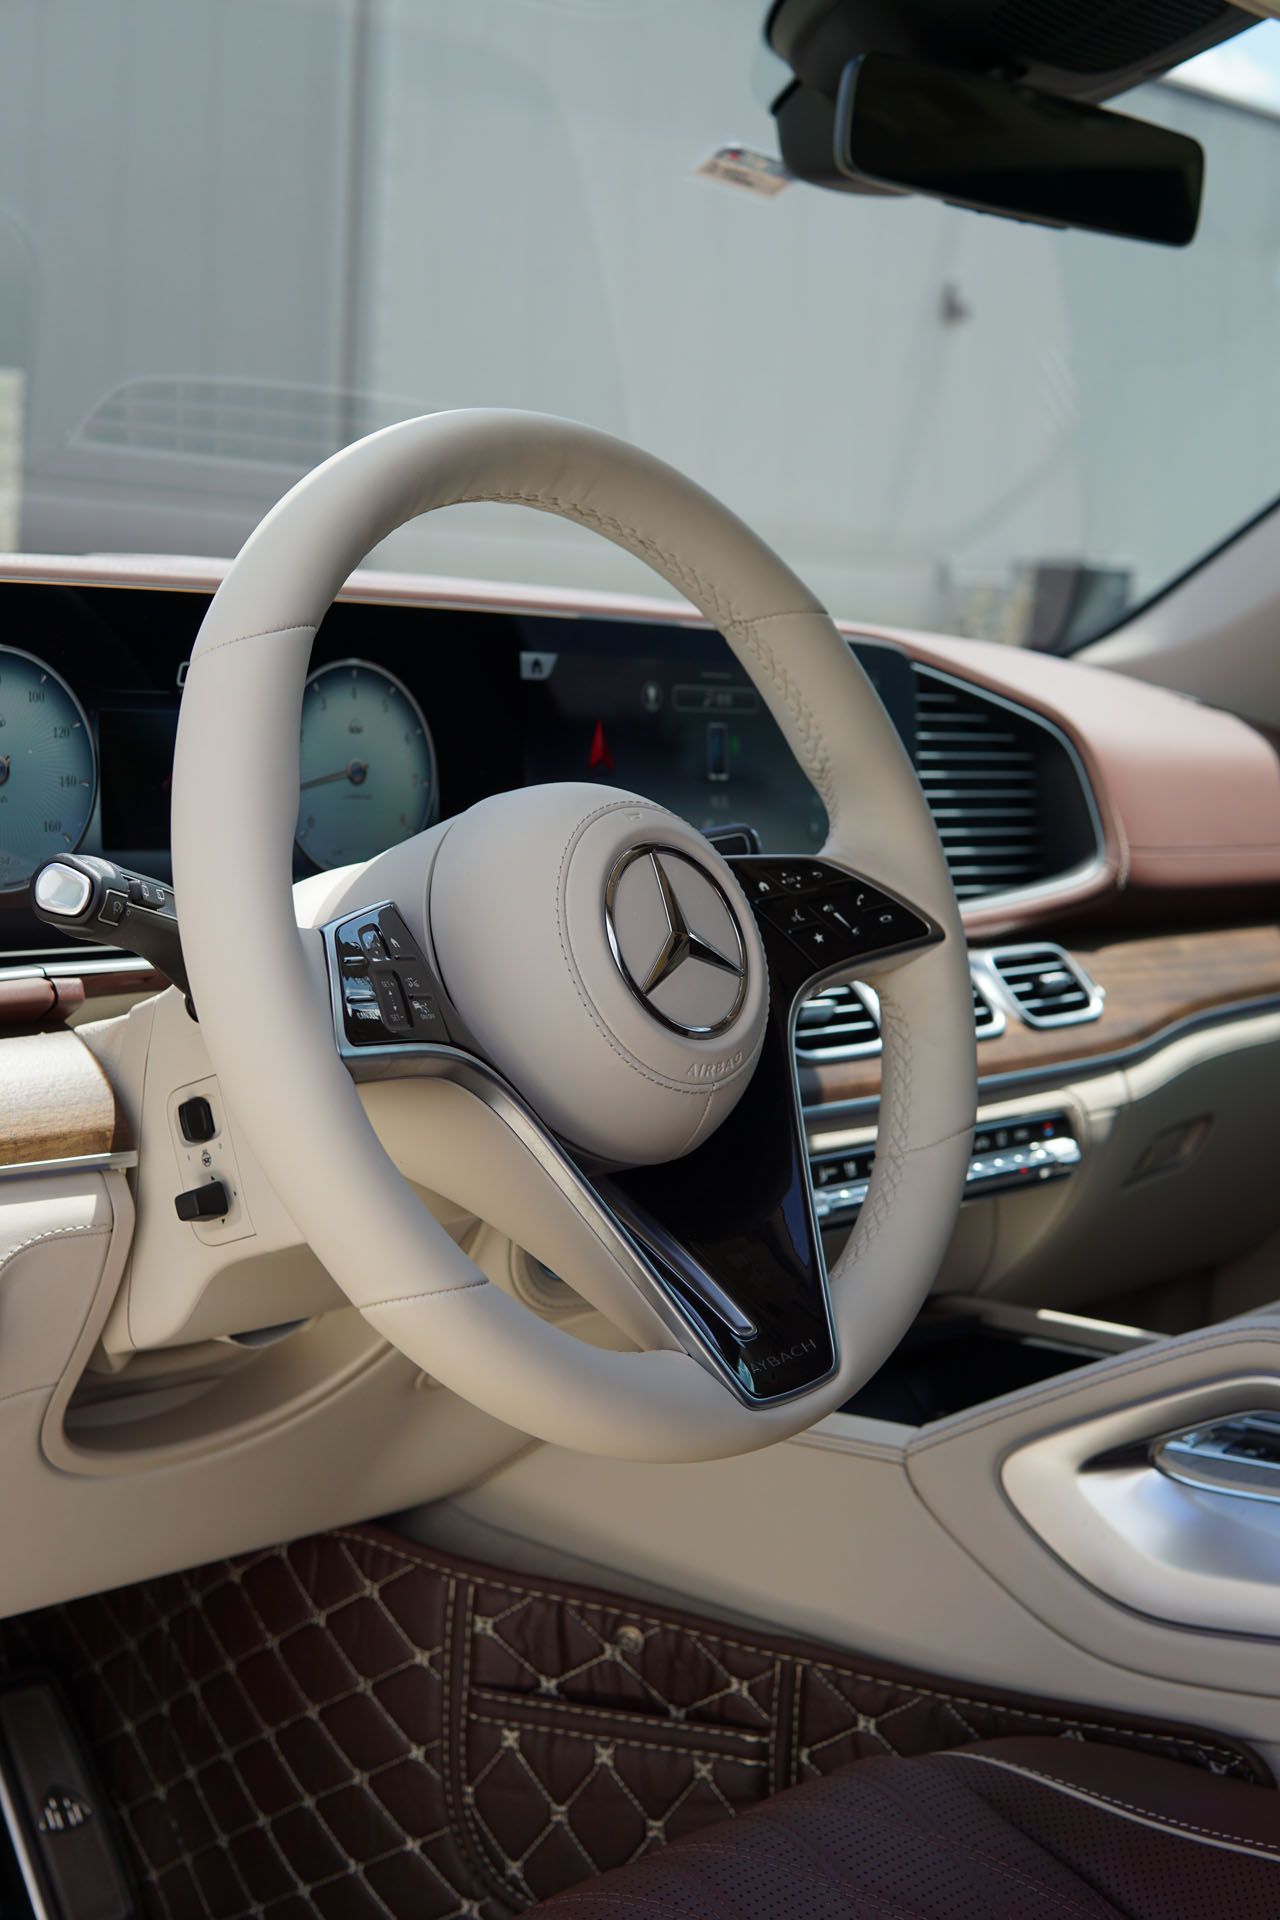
(1007, 1154)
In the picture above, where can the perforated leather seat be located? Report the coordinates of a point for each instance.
(1004, 1830)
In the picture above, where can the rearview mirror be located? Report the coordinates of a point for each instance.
(905, 124)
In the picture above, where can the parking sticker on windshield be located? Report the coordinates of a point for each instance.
(743, 167)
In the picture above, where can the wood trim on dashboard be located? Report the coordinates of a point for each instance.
(58, 1103)
(1152, 984)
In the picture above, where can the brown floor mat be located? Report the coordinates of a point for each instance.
(356, 1727)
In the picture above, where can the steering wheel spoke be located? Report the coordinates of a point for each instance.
(720, 1250)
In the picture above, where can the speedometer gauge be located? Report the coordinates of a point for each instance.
(368, 764)
(48, 768)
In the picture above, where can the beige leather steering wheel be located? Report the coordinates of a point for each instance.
(613, 996)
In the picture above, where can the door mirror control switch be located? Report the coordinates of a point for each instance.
(210, 1201)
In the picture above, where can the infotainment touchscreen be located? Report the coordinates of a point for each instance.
(670, 714)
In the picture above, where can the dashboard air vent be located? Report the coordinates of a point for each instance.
(837, 1024)
(978, 767)
(1005, 788)
(842, 1023)
(988, 1018)
(1046, 985)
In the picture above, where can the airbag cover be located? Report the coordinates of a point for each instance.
(607, 961)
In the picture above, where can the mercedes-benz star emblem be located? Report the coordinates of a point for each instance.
(676, 940)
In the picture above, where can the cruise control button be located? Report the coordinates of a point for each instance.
(372, 942)
(414, 980)
(427, 1014)
(391, 1001)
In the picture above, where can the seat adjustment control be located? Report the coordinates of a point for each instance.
(209, 1201)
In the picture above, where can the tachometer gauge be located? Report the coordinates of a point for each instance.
(48, 767)
(368, 764)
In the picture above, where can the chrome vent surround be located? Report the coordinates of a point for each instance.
(840, 1023)
(843, 1023)
(1005, 787)
(1044, 985)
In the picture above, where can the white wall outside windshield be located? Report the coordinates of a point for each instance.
(235, 233)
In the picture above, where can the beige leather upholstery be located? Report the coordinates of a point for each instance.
(259, 985)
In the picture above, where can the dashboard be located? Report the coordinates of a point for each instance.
(1115, 849)
(409, 715)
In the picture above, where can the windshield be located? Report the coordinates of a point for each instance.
(235, 234)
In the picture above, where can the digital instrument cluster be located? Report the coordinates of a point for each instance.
(410, 714)
(368, 764)
(48, 767)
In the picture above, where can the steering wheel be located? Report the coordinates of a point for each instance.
(587, 1013)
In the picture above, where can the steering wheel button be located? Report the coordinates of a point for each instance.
(399, 942)
(391, 1003)
(426, 1013)
(888, 926)
(788, 914)
(822, 944)
(414, 980)
(372, 942)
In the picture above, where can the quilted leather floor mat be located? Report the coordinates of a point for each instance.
(356, 1727)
